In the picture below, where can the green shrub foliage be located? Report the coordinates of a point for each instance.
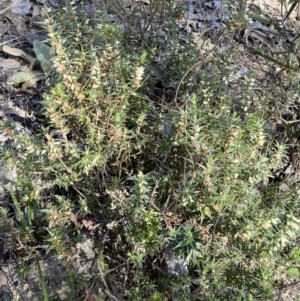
(191, 175)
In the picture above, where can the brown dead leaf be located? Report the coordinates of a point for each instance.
(16, 20)
(74, 219)
(216, 207)
(9, 133)
(21, 8)
(89, 225)
(9, 64)
(89, 298)
(2, 29)
(20, 53)
(3, 279)
(10, 108)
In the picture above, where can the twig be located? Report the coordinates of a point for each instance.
(65, 166)
(107, 290)
(126, 275)
(153, 196)
(296, 282)
(111, 270)
(190, 69)
(110, 295)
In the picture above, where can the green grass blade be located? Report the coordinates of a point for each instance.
(45, 294)
(18, 208)
(269, 58)
(291, 9)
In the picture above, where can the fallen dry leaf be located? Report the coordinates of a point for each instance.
(2, 29)
(20, 7)
(89, 298)
(10, 108)
(89, 225)
(20, 53)
(15, 19)
(9, 64)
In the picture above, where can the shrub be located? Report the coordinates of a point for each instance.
(190, 176)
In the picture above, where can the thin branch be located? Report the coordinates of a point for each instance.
(107, 290)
